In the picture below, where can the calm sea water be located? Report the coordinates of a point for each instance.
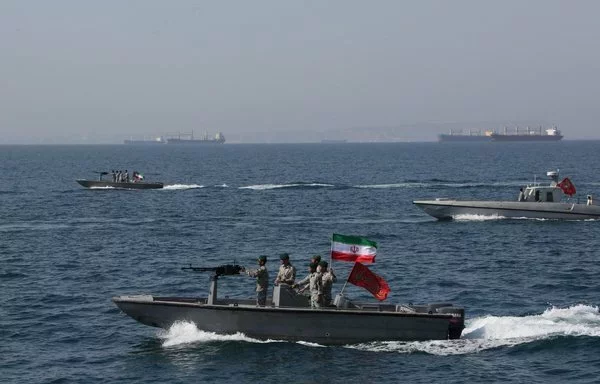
(530, 287)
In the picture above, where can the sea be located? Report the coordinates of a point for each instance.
(531, 288)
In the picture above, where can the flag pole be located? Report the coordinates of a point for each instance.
(348, 278)
(331, 253)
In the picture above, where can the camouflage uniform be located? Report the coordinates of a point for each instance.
(328, 279)
(303, 284)
(316, 290)
(286, 274)
(262, 284)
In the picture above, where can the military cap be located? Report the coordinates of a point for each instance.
(262, 258)
(316, 258)
(284, 256)
(313, 266)
(323, 264)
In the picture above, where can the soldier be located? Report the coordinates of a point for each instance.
(316, 259)
(328, 279)
(303, 284)
(316, 287)
(287, 272)
(262, 281)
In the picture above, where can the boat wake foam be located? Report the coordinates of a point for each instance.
(179, 187)
(491, 332)
(467, 217)
(263, 187)
(482, 333)
(184, 332)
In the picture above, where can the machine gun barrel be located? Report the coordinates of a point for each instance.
(221, 270)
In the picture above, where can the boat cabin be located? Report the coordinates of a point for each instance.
(546, 194)
(543, 193)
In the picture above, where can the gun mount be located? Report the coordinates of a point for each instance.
(221, 270)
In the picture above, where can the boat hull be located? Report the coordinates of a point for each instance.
(323, 326)
(449, 209)
(110, 184)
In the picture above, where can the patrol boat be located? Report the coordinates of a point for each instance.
(117, 184)
(288, 316)
(536, 201)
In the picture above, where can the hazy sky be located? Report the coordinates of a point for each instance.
(102, 71)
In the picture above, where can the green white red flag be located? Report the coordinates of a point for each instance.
(353, 248)
(362, 276)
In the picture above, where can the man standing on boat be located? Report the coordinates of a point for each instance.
(262, 281)
(316, 287)
(287, 272)
(328, 278)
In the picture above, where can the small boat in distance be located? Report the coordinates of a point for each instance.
(288, 316)
(101, 184)
(534, 201)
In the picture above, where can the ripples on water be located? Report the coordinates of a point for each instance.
(530, 287)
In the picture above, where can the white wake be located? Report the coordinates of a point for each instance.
(480, 334)
(179, 187)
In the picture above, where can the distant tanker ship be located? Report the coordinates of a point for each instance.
(181, 138)
(188, 138)
(528, 134)
(551, 134)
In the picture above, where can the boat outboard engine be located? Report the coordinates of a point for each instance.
(457, 322)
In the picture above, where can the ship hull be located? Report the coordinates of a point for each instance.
(109, 184)
(449, 209)
(323, 326)
(497, 137)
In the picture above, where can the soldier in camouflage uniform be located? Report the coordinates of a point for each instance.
(262, 281)
(287, 272)
(315, 285)
(316, 259)
(328, 278)
(302, 285)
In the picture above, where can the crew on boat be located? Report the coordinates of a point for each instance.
(287, 272)
(589, 200)
(328, 278)
(262, 280)
(521, 195)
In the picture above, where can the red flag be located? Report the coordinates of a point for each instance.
(362, 276)
(567, 187)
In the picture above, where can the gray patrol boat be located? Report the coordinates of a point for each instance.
(100, 183)
(288, 316)
(534, 201)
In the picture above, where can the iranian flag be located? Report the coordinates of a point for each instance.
(353, 248)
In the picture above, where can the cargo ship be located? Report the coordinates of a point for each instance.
(471, 136)
(179, 138)
(539, 134)
(188, 138)
(516, 134)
